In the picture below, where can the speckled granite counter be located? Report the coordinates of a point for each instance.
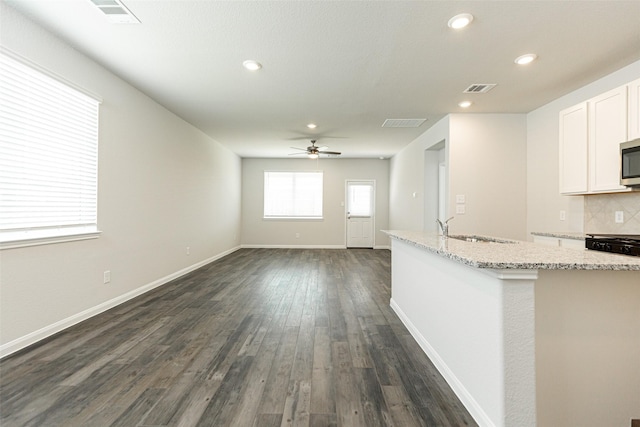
(515, 254)
(560, 235)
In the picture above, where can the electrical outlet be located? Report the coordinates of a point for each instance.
(107, 277)
(188, 250)
(460, 209)
(619, 217)
(563, 215)
(297, 235)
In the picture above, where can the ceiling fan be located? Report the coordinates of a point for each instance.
(314, 152)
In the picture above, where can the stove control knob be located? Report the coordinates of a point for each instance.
(607, 247)
(595, 245)
(626, 250)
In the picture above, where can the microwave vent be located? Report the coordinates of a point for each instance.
(480, 88)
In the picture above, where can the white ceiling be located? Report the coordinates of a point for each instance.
(345, 65)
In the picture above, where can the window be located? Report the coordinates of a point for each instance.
(293, 195)
(48, 157)
(360, 199)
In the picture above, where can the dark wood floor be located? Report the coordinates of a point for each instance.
(262, 337)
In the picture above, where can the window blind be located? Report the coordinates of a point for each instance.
(292, 194)
(48, 155)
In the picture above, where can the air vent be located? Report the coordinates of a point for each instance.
(480, 88)
(116, 12)
(403, 123)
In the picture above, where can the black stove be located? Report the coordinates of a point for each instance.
(627, 244)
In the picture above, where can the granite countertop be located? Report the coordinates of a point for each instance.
(561, 234)
(514, 254)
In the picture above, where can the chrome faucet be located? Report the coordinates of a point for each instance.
(444, 226)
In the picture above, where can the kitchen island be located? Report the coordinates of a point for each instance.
(525, 334)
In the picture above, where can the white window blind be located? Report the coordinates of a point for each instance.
(48, 155)
(292, 194)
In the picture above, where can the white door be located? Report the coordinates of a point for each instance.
(360, 214)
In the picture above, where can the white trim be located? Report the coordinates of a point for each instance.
(511, 274)
(458, 388)
(33, 337)
(37, 241)
(252, 246)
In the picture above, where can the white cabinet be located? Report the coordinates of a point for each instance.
(634, 109)
(546, 240)
(590, 137)
(559, 242)
(572, 243)
(573, 150)
(607, 129)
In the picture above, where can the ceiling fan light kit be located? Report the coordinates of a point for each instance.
(313, 152)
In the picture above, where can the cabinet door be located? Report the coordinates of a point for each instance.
(634, 109)
(572, 243)
(546, 240)
(573, 150)
(607, 129)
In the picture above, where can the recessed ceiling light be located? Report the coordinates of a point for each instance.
(460, 21)
(465, 104)
(312, 125)
(251, 65)
(526, 59)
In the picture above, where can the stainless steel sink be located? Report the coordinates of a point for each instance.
(478, 239)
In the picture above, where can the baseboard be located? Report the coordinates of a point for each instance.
(293, 246)
(304, 247)
(387, 247)
(476, 411)
(33, 337)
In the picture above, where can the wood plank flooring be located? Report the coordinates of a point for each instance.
(262, 337)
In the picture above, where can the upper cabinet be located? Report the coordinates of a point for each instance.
(634, 109)
(574, 164)
(607, 129)
(590, 137)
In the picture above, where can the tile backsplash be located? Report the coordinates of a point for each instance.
(600, 209)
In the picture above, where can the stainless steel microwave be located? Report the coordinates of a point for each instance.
(630, 170)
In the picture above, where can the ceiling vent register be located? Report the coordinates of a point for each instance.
(116, 12)
(403, 123)
(480, 88)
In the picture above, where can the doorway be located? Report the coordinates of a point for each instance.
(360, 213)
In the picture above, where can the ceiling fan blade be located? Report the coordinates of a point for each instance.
(330, 152)
(324, 147)
(296, 148)
(298, 154)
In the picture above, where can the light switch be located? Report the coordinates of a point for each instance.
(460, 198)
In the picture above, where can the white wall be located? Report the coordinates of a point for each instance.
(407, 176)
(485, 154)
(487, 164)
(163, 186)
(544, 201)
(330, 232)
